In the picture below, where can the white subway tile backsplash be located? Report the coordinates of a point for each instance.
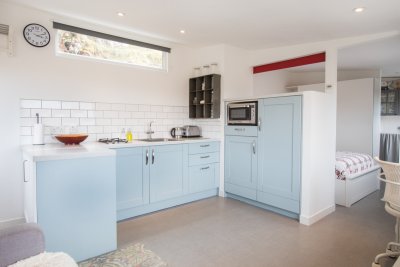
(25, 113)
(42, 112)
(118, 122)
(110, 114)
(26, 130)
(144, 108)
(106, 120)
(87, 121)
(103, 122)
(69, 105)
(87, 105)
(51, 104)
(124, 115)
(95, 129)
(79, 114)
(60, 113)
(31, 103)
(132, 107)
(95, 114)
(70, 121)
(103, 106)
(52, 121)
(118, 107)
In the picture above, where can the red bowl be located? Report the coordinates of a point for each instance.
(71, 139)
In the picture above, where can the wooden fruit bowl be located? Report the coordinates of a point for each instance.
(71, 139)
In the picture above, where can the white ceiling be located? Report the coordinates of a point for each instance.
(383, 54)
(251, 24)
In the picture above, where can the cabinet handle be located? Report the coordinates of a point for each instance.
(205, 168)
(259, 124)
(152, 156)
(147, 156)
(254, 147)
(204, 157)
(24, 171)
(204, 145)
(239, 129)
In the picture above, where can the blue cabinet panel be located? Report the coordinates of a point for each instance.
(241, 165)
(280, 152)
(241, 130)
(132, 181)
(201, 178)
(166, 172)
(76, 205)
(204, 158)
(203, 147)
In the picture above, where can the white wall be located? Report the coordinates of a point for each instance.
(37, 73)
(271, 82)
(355, 115)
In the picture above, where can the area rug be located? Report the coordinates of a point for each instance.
(131, 256)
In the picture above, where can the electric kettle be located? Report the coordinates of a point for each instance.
(176, 132)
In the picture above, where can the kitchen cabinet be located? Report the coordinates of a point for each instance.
(166, 172)
(205, 96)
(279, 158)
(203, 166)
(241, 165)
(155, 177)
(132, 177)
(73, 201)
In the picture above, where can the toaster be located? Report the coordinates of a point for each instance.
(191, 131)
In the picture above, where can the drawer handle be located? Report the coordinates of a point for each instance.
(204, 145)
(205, 168)
(204, 157)
(239, 129)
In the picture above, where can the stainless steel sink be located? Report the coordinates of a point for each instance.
(159, 139)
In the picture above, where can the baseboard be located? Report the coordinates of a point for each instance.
(317, 216)
(14, 221)
(221, 193)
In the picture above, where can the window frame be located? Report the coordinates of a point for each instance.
(63, 27)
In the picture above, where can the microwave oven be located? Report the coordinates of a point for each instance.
(242, 113)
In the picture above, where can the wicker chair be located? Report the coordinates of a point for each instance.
(391, 172)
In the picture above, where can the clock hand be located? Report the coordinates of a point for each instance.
(38, 35)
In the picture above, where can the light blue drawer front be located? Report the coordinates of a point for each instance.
(76, 203)
(204, 158)
(202, 178)
(205, 147)
(241, 130)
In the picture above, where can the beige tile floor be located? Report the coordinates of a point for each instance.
(225, 232)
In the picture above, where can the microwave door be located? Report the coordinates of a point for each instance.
(239, 114)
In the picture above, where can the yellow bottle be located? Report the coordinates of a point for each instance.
(129, 135)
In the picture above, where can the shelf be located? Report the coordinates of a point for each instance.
(211, 95)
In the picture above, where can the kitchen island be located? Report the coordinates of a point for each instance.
(77, 193)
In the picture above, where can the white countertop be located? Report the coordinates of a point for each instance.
(60, 151)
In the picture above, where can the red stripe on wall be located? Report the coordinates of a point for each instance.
(290, 63)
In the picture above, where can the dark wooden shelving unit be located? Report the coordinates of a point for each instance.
(205, 97)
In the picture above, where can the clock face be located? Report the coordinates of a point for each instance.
(36, 35)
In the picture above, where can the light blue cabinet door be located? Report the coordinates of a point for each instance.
(76, 205)
(167, 172)
(241, 166)
(280, 152)
(132, 181)
(202, 177)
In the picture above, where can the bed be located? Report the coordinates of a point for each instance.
(356, 177)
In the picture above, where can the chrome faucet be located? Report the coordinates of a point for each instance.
(149, 130)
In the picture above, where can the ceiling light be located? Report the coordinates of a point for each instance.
(121, 14)
(359, 9)
(182, 31)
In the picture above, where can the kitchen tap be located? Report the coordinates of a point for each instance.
(149, 130)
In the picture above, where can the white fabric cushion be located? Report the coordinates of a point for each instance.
(47, 259)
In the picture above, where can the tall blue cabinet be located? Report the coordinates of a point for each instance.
(279, 158)
(263, 162)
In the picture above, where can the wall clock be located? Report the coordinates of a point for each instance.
(36, 35)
